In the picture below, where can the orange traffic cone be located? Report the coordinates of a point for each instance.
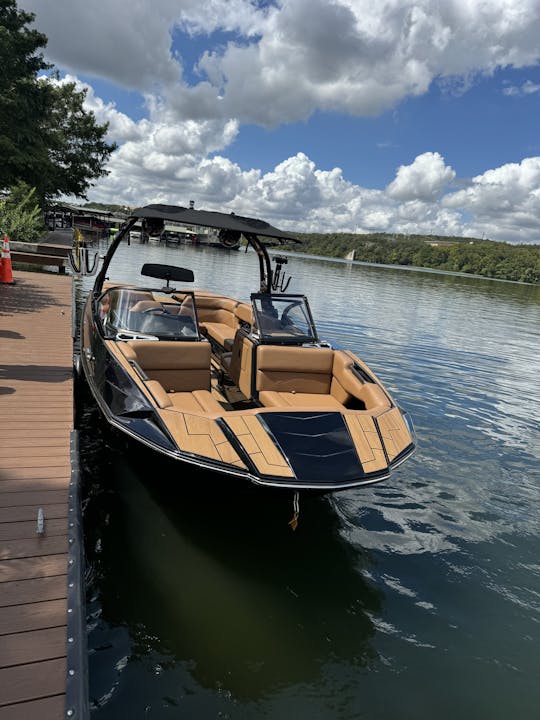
(6, 273)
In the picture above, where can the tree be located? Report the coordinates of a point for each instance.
(47, 138)
(20, 215)
(77, 150)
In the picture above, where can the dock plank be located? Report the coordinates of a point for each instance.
(32, 646)
(10, 514)
(33, 616)
(49, 708)
(32, 681)
(33, 567)
(33, 484)
(52, 587)
(46, 497)
(33, 547)
(36, 419)
(34, 471)
(27, 529)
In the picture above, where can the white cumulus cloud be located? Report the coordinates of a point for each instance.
(289, 59)
(425, 179)
(281, 62)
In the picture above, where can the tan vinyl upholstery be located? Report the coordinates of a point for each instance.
(178, 366)
(244, 312)
(220, 332)
(198, 401)
(270, 398)
(159, 394)
(304, 370)
(346, 386)
(144, 305)
(181, 307)
(242, 365)
(313, 377)
(220, 317)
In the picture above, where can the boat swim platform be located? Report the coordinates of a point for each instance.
(43, 660)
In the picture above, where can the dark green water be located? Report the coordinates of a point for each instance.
(418, 598)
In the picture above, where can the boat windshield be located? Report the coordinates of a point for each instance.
(142, 312)
(283, 319)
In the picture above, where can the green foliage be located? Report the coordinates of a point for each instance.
(47, 138)
(20, 215)
(480, 257)
(77, 151)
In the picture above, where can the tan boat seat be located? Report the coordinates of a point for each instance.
(144, 305)
(346, 386)
(219, 332)
(178, 366)
(299, 369)
(270, 398)
(244, 313)
(198, 401)
(220, 317)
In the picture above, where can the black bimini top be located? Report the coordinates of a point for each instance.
(205, 218)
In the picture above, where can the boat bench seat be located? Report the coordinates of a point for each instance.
(198, 402)
(313, 377)
(178, 373)
(270, 398)
(295, 376)
(220, 332)
(220, 317)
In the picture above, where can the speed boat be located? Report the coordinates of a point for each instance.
(243, 388)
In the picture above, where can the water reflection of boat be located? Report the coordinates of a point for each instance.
(176, 574)
(242, 389)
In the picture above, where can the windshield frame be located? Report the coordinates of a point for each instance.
(275, 338)
(114, 332)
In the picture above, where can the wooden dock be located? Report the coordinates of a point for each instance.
(36, 422)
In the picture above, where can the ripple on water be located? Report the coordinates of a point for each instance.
(401, 590)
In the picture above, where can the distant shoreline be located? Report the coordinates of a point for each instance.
(410, 268)
(484, 258)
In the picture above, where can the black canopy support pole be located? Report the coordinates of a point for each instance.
(100, 279)
(265, 268)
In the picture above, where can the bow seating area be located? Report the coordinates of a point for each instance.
(179, 377)
(313, 377)
(177, 374)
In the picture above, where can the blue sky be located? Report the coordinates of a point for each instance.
(321, 115)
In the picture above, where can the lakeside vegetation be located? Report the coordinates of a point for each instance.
(479, 257)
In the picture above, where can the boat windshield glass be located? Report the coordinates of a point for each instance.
(283, 319)
(142, 312)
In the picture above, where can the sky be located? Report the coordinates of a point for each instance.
(397, 116)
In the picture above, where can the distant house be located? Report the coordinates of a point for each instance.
(63, 215)
(440, 243)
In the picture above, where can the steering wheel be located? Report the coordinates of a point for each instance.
(155, 310)
(285, 314)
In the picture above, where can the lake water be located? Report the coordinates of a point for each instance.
(418, 598)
